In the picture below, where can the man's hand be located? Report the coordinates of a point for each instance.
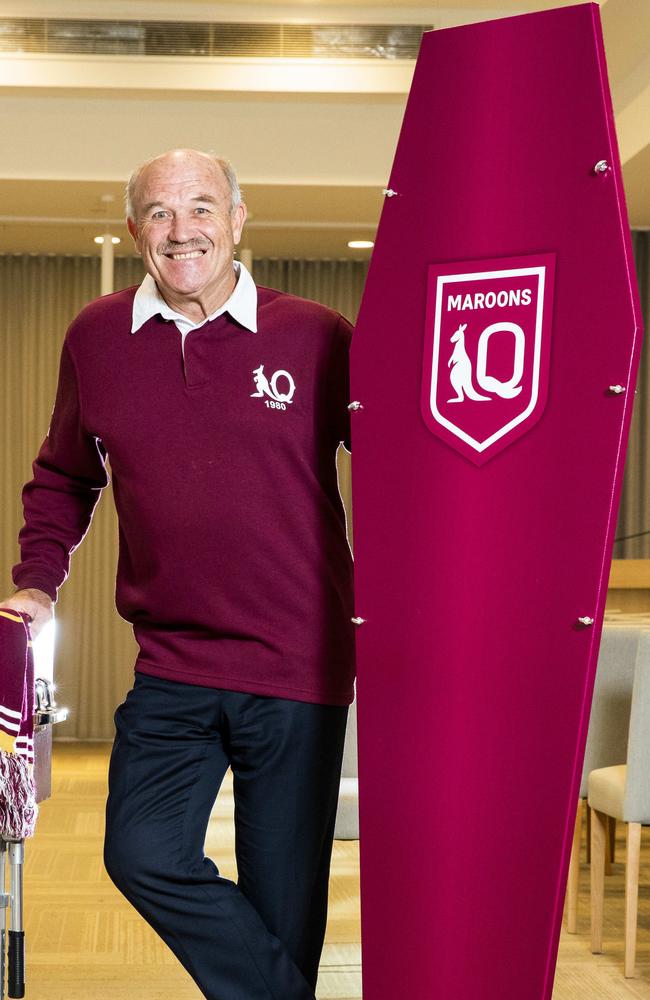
(36, 603)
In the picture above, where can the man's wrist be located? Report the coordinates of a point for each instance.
(36, 594)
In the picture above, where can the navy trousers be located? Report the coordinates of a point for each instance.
(260, 938)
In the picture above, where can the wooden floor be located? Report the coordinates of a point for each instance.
(85, 941)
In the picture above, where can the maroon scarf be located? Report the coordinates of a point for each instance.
(18, 808)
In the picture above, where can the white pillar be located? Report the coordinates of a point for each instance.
(246, 257)
(108, 259)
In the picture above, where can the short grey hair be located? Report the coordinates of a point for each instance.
(221, 162)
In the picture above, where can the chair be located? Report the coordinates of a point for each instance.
(623, 792)
(347, 816)
(607, 735)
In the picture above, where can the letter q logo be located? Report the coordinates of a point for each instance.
(511, 388)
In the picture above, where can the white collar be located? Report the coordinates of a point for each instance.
(242, 304)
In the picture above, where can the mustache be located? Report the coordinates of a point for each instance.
(170, 247)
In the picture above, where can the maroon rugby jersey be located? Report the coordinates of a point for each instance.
(234, 566)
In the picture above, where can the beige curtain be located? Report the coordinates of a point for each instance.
(39, 295)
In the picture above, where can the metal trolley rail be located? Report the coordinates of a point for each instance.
(12, 959)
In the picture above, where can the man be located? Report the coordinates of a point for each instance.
(221, 406)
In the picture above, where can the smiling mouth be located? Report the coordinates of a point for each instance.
(188, 255)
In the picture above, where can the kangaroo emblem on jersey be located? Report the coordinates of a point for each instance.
(264, 387)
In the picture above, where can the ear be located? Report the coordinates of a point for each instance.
(237, 220)
(133, 229)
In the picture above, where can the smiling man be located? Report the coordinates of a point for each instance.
(221, 405)
(186, 216)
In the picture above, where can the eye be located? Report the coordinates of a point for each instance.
(159, 214)
(202, 209)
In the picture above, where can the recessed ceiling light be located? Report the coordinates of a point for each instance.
(360, 244)
(115, 239)
(99, 239)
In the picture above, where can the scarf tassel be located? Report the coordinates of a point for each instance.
(18, 808)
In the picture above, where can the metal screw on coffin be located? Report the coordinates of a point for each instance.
(389, 193)
(586, 621)
(355, 405)
(616, 390)
(357, 621)
(601, 167)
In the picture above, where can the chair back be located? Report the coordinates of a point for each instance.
(607, 737)
(636, 804)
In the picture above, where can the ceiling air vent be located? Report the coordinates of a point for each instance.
(171, 38)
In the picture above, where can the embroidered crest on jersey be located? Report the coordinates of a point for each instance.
(266, 387)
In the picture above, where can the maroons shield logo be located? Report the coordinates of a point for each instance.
(486, 351)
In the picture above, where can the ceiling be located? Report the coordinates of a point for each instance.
(207, 9)
(312, 162)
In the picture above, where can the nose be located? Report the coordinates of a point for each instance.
(182, 229)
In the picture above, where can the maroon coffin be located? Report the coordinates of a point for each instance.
(484, 526)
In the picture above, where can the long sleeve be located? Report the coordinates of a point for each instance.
(58, 503)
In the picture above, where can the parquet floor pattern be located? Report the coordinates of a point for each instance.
(85, 942)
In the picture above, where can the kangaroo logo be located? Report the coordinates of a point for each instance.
(264, 387)
(460, 375)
